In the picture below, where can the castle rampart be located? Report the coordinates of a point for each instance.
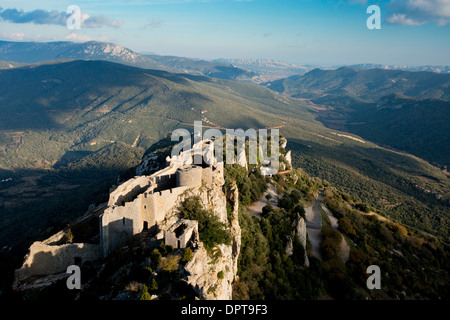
(140, 203)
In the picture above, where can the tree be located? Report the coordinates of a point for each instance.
(287, 201)
(268, 197)
(267, 209)
(346, 226)
(300, 210)
(153, 285)
(155, 256)
(296, 195)
(187, 255)
(144, 294)
(69, 236)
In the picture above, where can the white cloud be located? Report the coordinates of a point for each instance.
(55, 17)
(16, 36)
(77, 37)
(402, 19)
(22, 36)
(418, 12)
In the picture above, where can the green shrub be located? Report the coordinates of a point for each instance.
(346, 226)
(170, 263)
(144, 294)
(220, 275)
(187, 255)
(211, 230)
(169, 249)
(153, 285)
(156, 257)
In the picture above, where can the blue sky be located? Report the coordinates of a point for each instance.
(413, 32)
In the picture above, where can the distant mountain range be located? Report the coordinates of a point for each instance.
(208, 68)
(437, 69)
(365, 84)
(268, 69)
(248, 70)
(36, 52)
(10, 64)
(409, 111)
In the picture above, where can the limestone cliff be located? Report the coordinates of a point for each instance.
(300, 232)
(212, 273)
(149, 206)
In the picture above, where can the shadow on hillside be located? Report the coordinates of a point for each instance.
(71, 156)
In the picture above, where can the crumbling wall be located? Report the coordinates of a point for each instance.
(118, 223)
(149, 201)
(181, 233)
(44, 259)
(155, 205)
(128, 191)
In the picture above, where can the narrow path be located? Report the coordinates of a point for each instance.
(344, 251)
(255, 209)
(314, 226)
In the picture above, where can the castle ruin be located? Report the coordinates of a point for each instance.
(147, 203)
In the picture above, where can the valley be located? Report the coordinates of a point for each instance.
(84, 126)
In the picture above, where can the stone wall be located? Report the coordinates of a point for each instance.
(181, 233)
(154, 201)
(118, 223)
(128, 191)
(189, 176)
(156, 205)
(44, 259)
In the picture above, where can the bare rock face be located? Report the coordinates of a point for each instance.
(211, 273)
(288, 158)
(283, 143)
(242, 160)
(289, 248)
(300, 232)
(235, 227)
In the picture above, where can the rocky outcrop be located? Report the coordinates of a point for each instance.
(242, 159)
(148, 165)
(300, 232)
(283, 142)
(211, 273)
(289, 247)
(288, 158)
(235, 227)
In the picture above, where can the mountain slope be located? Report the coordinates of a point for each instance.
(407, 111)
(35, 52)
(365, 84)
(207, 68)
(90, 104)
(73, 113)
(437, 69)
(9, 64)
